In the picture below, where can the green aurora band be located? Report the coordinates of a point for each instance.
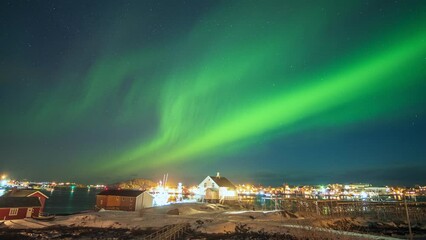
(234, 81)
(363, 77)
(195, 123)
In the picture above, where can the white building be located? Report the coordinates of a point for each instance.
(217, 189)
(377, 190)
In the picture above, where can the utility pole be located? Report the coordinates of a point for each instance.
(408, 218)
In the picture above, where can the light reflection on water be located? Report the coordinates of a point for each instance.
(65, 200)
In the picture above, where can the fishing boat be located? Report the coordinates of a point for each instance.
(44, 217)
(50, 189)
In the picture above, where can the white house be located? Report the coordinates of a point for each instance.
(377, 190)
(217, 189)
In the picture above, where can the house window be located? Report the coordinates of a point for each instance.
(205, 184)
(13, 212)
(212, 185)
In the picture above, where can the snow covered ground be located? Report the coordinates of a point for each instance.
(205, 218)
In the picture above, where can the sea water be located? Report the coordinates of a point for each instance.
(68, 201)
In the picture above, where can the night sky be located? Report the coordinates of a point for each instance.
(270, 92)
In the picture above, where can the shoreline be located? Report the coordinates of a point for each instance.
(74, 213)
(210, 221)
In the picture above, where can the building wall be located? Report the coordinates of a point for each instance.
(139, 202)
(22, 213)
(205, 184)
(211, 194)
(41, 198)
(144, 200)
(115, 203)
(37, 211)
(101, 201)
(148, 200)
(127, 204)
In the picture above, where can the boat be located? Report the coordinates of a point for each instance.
(44, 217)
(50, 189)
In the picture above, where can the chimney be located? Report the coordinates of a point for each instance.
(218, 175)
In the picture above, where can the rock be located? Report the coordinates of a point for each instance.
(173, 212)
(291, 215)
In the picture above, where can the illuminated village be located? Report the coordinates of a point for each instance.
(172, 210)
(220, 189)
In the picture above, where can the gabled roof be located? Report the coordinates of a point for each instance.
(123, 193)
(222, 182)
(23, 193)
(17, 202)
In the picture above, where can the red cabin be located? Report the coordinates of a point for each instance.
(28, 193)
(19, 207)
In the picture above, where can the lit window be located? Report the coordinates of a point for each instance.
(13, 212)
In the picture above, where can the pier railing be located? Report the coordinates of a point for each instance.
(170, 232)
(390, 210)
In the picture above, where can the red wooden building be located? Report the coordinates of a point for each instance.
(124, 200)
(28, 193)
(19, 207)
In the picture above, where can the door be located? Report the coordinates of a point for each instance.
(29, 212)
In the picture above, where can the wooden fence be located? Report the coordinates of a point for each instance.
(338, 208)
(170, 232)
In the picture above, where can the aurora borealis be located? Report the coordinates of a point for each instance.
(268, 92)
